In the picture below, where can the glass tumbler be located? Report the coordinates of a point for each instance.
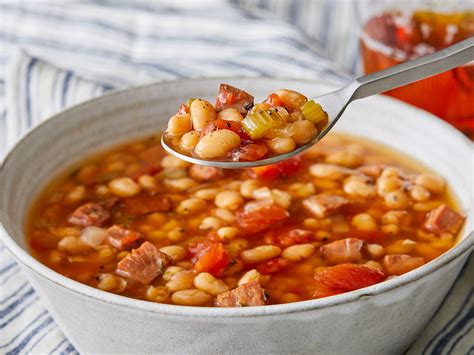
(397, 31)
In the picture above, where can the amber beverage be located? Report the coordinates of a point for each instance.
(393, 37)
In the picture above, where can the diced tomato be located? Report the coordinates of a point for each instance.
(282, 169)
(209, 257)
(260, 219)
(234, 126)
(342, 278)
(272, 266)
(250, 152)
(274, 100)
(286, 236)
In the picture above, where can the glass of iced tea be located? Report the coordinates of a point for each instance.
(392, 35)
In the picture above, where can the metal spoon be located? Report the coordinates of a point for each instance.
(334, 103)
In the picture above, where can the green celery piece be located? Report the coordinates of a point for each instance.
(190, 101)
(314, 113)
(258, 123)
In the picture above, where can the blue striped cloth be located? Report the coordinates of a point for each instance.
(54, 55)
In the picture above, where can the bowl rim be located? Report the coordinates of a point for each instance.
(28, 261)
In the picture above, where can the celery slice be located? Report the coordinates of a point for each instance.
(314, 113)
(258, 123)
(190, 101)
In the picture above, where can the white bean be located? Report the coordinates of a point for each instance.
(298, 252)
(175, 252)
(202, 113)
(432, 182)
(230, 200)
(261, 253)
(189, 140)
(179, 124)
(281, 145)
(304, 131)
(327, 171)
(191, 205)
(209, 284)
(124, 187)
(191, 297)
(217, 144)
(230, 114)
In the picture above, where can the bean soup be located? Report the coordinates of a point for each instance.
(346, 214)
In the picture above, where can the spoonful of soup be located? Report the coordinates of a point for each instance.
(238, 133)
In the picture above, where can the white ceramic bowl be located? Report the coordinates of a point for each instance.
(383, 318)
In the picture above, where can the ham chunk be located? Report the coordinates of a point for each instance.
(146, 204)
(231, 97)
(89, 214)
(260, 215)
(249, 294)
(397, 264)
(143, 264)
(322, 206)
(122, 238)
(443, 219)
(205, 173)
(347, 250)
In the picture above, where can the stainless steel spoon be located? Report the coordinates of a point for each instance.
(334, 103)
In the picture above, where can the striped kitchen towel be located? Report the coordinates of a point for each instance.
(53, 56)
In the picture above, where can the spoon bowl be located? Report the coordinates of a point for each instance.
(335, 103)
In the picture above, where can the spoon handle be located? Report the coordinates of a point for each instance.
(413, 70)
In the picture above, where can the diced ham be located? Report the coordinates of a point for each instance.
(143, 264)
(89, 214)
(122, 238)
(249, 294)
(397, 264)
(260, 215)
(343, 251)
(231, 97)
(146, 204)
(322, 206)
(205, 173)
(443, 219)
